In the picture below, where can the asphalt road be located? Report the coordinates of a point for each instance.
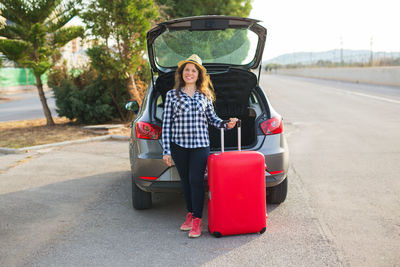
(25, 106)
(72, 205)
(344, 153)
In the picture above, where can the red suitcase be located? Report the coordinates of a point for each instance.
(236, 199)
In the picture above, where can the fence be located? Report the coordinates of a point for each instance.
(389, 76)
(17, 77)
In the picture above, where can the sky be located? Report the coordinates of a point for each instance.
(321, 25)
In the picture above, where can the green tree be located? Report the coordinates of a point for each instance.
(34, 34)
(119, 30)
(233, 41)
(171, 9)
(211, 46)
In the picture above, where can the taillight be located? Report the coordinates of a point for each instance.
(145, 130)
(272, 126)
(148, 178)
(276, 172)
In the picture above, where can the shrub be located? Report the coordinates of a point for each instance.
(87, 97)
(92, 104)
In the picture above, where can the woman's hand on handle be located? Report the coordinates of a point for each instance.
(232, 122)
(168, 160)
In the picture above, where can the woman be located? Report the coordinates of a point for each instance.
(188, 110)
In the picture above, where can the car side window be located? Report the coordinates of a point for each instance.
(159, 108)
(254, 104)
(253, 99)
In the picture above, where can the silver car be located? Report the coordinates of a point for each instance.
(230, 48)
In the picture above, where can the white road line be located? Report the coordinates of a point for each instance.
(369, 96)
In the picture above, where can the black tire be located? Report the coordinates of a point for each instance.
(277, 194)
(263, 230)
(141, 200)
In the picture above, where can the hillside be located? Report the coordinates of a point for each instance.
(334, 56)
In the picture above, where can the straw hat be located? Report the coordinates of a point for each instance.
(195, 59)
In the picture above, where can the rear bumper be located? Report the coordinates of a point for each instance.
(175, 186)
(146, 161)
(274, 180)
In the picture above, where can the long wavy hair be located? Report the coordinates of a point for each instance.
(203, 83)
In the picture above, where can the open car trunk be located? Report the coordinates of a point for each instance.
(233, 88)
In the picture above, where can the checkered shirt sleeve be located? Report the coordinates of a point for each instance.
(213, 119)
(167, 123)
(185, 122)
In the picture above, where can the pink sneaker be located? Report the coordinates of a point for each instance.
(187, 225)
(196, 229)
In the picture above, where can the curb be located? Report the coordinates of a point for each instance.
(6, 150)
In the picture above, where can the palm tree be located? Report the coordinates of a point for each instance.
(34, 33)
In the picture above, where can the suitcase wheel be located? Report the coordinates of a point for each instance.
(263, 230)
(217, 234)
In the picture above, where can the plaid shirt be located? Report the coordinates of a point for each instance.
(185, 122)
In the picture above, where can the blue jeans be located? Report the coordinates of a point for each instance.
(191, 164)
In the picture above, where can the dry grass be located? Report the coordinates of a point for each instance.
(26, 133)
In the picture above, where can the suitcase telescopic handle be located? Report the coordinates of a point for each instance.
(239, 125)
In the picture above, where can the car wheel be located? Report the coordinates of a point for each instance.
(140, 199)
(277, 194)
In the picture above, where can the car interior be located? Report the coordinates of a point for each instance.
(235, 97)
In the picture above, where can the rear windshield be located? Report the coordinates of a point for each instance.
(230, 46)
